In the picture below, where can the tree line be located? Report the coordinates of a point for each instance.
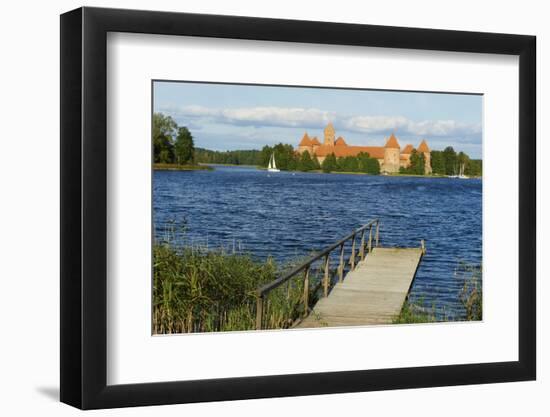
(172, 144)
(238, 157)
(449, 162)
(417, 164)
(361, 163)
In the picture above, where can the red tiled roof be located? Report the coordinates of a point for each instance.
(306, 141)
(392, 142)
(407, 149)
(315, 141)
(340, 141)
(341, 151)
(373, 151)
(423, 147)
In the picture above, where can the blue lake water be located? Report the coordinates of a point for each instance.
(290, 215)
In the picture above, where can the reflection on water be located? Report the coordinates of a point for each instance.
(289, 215)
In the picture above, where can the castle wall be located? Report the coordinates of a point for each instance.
(391, 160)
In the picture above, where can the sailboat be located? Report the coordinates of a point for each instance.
(271, 167)
(455, 175)
(461, 175)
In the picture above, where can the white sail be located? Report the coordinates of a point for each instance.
(461, 175)
(271, 167)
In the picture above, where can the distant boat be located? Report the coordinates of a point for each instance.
(271, 167)
(455, 175)
(461, 175)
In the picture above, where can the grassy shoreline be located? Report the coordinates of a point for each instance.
(200, 290)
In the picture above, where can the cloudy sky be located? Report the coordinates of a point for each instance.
(227, 117)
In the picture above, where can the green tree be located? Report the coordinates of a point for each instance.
(348, 164)
(306, 162)
(330, 164)
(373, 166)
(285, 157)
(474, 168)
(450, 160)
(164, 150)
(184, 147)
(164, 128)
(367, 164)
(418, 163)
(438, 163)
(237, 157)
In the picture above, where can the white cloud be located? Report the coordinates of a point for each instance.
(375, 124)
(315, 118)
(402, 125)
(258, 116)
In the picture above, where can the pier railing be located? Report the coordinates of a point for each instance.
(367, 237)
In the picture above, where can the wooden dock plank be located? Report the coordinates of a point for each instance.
(373, 293)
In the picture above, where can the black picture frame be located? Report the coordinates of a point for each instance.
(84, 207)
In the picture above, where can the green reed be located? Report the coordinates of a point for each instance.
(470, 297)
(200, 290)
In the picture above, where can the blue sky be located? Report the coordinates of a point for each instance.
(228, 116)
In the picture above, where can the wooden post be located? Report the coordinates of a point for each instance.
(362, 250)
(341, 266)
(377, 232)
(306, 290)
(327, 275)
(259, 311)
(352, 257)
(370, 239)
(423, 247)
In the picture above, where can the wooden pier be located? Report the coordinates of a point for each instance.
(373, 290)
(373, 293)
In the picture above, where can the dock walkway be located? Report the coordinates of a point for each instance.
(372, 293)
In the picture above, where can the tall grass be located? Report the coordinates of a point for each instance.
(415, 313)
(471, 293)
(470, 297)
(200, 290)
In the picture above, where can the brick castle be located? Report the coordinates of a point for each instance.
(390, 156)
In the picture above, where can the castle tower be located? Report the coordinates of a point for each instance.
(340, 142)
(315, 145)
(424, 149)
(329, 135)
(392, 151)
(305, 144)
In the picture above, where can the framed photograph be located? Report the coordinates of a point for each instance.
(258, 207)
